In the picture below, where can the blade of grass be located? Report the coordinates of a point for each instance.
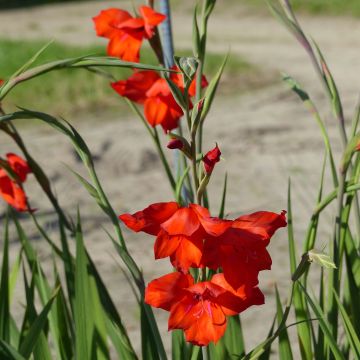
(4, 287)
(349, 329)
(324, 325)
(285, 352)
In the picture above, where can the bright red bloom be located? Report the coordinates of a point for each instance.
(151, 90)
(125, 32)
(180, 231)
(211, 158)
(10, 189)
(200, 309)
(241, 250)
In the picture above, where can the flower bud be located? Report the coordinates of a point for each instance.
(175, 144)
(211, 158)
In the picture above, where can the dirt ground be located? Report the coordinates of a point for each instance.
(266, 137)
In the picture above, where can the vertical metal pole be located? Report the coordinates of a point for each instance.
(166, 34)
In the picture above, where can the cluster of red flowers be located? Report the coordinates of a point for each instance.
(194, 239)
(147, 88)
(151, 90)
(11, 186)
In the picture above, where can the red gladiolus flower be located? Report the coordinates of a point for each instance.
(211, 158)
(180, 231)
(125, 32)
(152, 91)
(200, 309)
(241, 250)
(11, 190)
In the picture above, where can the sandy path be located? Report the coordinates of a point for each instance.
(266, 137)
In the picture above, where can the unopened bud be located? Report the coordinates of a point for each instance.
(175, 144)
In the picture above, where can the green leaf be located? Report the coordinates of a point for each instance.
(178, 345)
(211, 90)
(323, 324)
(233, 341)
(223, 199)
(195, 34)
(321, 259)
(351, 336)
(266, 354)
(285, 352)
(89, 328)
(148, 345)
(79, 62)
(27, 65)
(36, 329)
(309, 104)
(7, 352)
(180, 182)
(120, 342)
(335, 97)
(178, 95)
(4, 287)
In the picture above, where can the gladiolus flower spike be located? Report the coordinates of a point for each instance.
(194, 239)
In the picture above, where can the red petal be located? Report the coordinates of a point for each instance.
(165, 245)
(237, 269)
(211, 253)
(192, 88)
(160, 87)
(167, 290)
(151, 18)
(107, 20)
(188, 253)
(262, 223)
(13, 194)
(212, 225)
(155, 110)
(136, 86)
(234, 302)
(149, 219)
(18, 165)
(125, 45)
(209, 327)
(183, 222)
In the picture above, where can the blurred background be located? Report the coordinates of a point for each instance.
(265, 134)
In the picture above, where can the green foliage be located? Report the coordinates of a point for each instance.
(83, 91)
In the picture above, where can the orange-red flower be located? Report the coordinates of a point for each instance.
(180, 231)
(152, 91)
(241, 250)
(10, 189)
(211, 158)
(125, 32)
(200, 309)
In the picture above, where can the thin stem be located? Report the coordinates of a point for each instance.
(164, 160)
(155, 137)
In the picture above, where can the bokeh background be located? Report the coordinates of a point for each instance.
(265, 134)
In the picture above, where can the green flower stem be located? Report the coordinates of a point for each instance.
(155, 137)
(200, 69)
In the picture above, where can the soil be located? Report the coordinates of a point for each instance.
(266, 137)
